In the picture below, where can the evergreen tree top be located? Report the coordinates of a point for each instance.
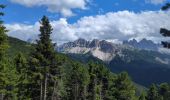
(2, 6)
(1, 13)
(166, 7)
(45, 21)
(46, 31)
(3, 36)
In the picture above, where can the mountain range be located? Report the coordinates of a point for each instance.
(143, 44)
(107, 51)
(144, 66)
(142, 60)
(103, 50)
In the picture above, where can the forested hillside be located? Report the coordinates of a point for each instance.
(141, 71)
(16, 46)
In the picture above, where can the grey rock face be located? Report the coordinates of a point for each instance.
(143, 44)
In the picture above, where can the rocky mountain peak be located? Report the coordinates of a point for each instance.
(143, 44)
(103, 49)
(81, 42)
(106, 51)
(107, 46)
(94, 43)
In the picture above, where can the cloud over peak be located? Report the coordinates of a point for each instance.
(119, 26)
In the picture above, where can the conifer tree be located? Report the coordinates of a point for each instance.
(165, 32)
(164, 90)
(43, 60)
(112, 89)
(124, 89)
(142, 97)
(8, 80)
(102, 74)
(3, 48)
(22, 82)
(77, 82)
(99, 81)
(3, 36)
(153, 93)
(93, 81)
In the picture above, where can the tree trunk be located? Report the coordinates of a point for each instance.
(45, 87)
(94, 89)
(2, 96)
(101, 92)
(55, 95)
(76, 91)
(41, 91)
(84, 93)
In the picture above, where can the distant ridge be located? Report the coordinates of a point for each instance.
(143, 44)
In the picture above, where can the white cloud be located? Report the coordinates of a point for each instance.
(62, 31)
(155, 2)
(23, 31)
(113, 26)
(62, 6)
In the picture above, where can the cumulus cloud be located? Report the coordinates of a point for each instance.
(155, 2)
(112, 26)
(23, 31)
(62, 6)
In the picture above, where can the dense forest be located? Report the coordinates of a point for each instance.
(43, 74)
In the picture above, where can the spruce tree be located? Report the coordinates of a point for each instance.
(22, 75)
(78, 80)
(99, 81)
(93, 81)
(164, 90)
(43, 61)
(3, 48)
(124, 88)
(142, 96)
(112, 89)
(3, 36)
(153, 93)
(165, 32)
(102, 80)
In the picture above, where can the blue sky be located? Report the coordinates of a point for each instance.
(112, 20)
(16, 13)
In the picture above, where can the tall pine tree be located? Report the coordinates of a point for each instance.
(43, 61)
(92, 95)
(142, 96)
(123, 87)
(22, 76)
(77, 82)
(3, 36)
(164, 90)
(153, 93)
(3, 48)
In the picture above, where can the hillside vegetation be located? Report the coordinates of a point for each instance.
(16, 46)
